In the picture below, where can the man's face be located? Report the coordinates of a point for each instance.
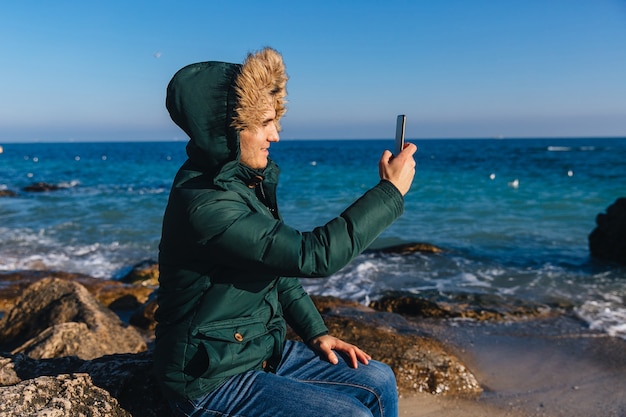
(255, 145)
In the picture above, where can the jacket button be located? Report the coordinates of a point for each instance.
(238, 337)
(264, 364)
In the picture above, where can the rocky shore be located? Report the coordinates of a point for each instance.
(66, 351)
(74, 345)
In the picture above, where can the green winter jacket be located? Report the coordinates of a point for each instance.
(228, 263)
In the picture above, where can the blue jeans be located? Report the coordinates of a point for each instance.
(303, 385)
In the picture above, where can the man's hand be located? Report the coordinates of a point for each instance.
(399, 169)
(326, 345)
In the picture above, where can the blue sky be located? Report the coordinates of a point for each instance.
(97, 70)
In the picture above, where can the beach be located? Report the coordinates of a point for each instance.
(549, 368)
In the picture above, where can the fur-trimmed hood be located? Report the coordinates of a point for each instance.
(213, 101)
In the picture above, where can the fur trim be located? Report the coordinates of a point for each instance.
(262, 82)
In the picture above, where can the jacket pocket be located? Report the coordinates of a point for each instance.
(233, 346)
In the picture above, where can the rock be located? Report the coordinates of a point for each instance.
(8, 375)
(326, 303)
(124, 382)
(143, 273)
(41, 187)
(7, 193)
(54, 317)
(62, 396)
(434, 304)
(407, 248)
(143, 317)
(608, 240)
(420, 363)
(108, 292)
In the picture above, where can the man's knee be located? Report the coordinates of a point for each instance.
(382, 373)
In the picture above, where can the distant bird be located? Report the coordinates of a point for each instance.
(157, 55)
(514, 183)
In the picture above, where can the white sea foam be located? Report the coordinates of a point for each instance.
(472, 280)
(357, 281)
(28, 249)
(68, 184)
(605, 316)
(98, 264)
(559, 148)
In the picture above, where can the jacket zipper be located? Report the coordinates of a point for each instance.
(265, 201)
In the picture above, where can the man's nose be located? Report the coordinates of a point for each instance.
(273, 135)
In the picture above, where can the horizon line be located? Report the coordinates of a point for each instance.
(499, 137)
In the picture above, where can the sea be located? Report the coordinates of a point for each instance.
(512, 216)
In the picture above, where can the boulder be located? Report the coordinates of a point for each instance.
(608, 240)
(143, 317)
(7, 193)
(114, 385)
(419, 362)
(110, 293)
(41, 187)
(480, 307)
(408, 248)
(55, 317)
(144, 273)
(60, 396)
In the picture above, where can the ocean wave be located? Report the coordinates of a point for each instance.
(96, 264)
(570, 148)
(596, 296)
(68, 184)
(369, 277)
(606, 316)
(559, 148)
(26, 249)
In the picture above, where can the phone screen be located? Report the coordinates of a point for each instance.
(400, 124)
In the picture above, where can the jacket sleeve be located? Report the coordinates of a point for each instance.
(249, 241)
(299, 310)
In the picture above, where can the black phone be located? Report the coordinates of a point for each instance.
(400, 124)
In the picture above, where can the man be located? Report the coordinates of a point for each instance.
(229, 265)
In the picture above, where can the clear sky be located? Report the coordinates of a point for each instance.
(97, 70)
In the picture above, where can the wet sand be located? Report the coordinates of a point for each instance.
(545, 368)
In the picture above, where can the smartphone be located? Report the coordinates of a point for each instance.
(400, 123)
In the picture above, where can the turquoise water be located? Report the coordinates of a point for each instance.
(513, 215)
